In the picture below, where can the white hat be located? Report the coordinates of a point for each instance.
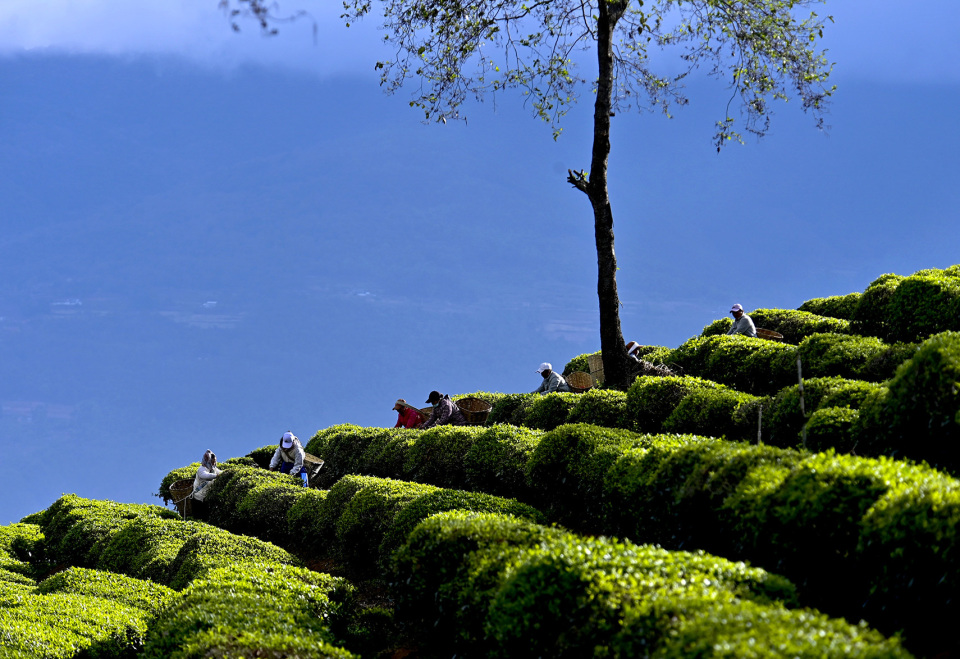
(545, 366)
(287, 440)
(736, 307)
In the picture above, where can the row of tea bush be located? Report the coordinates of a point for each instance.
(915, 414)
(240, 596)
(871, 538)
(892, 307)
(481, 577)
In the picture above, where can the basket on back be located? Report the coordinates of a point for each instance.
(596, 368)
(579, 381)
(475, 410)
(770, 335)
(181, 491)
(313, 465)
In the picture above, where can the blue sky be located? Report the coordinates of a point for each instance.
(208, 238)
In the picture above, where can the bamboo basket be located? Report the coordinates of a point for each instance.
(579, 382)
(596, 368)
(313, 465)
(769, 335)
(181, 491)
(475, 410)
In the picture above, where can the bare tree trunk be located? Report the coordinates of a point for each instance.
(611, 336)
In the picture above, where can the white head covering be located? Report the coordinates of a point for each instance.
(287, 440)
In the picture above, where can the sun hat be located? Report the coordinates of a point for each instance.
(545, 366)
(736, 307)
(287, 440)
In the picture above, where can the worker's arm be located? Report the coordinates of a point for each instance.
(275, 460)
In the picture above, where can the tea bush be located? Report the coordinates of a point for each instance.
(924, 304)
(751, 365)
(835, 306)
(718, 327)
(507, 409)
(919, 414)
(146, 547)
(488, 585)
(712, 412)
(579, 363)
(651, 400)
(825, 355)
(497, 461)
(832, 427)
(437, 456)
(872, 315)
(567, 468)
(21, 546)
(213, 548)
(797, 325)
(254, 611)
(141, 594)
(784, 421)
(600, 407)
(76, 529)
(547, 411)
(446, 500)
(368, 516)
(64, 625)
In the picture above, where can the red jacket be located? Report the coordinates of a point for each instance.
(408, 417)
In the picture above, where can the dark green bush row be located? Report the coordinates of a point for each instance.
(912, 308)
(493, 586)
(918, 414)
(750, 365)
(835, 306)
(730, 499)
(19, 544)
(783, 420)
(253, 611)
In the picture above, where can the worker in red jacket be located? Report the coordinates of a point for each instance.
(407, 415)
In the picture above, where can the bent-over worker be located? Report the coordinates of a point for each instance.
(206, 474)
(289, 456)
(407, 415)
(552, 381)
(445, 412)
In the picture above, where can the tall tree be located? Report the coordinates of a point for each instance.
(764, 49)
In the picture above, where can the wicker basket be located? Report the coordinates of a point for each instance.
(426, 412)
(181, 492)
(475, 410)
(769, 335)
(579, 381)
(313, 465)
(596, 368)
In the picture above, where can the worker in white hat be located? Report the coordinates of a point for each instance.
(289, 456)
(742, 323)
(552, 381)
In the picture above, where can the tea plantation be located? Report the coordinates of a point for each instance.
(724, 511)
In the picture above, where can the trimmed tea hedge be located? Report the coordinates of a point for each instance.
(750, 365)
(253, 611)
(147, 596)
(835, 306)
(490, 585)
(918, 414)
(797, 325)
